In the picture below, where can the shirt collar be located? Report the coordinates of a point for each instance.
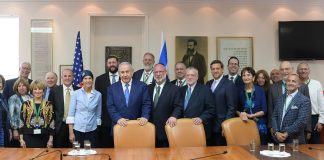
(161, 85)
(292, 95)
(219, 78)
(192, 87)
(65, 87)
(110, 74)
(129, 83)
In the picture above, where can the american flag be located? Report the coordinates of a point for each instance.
(77, 62)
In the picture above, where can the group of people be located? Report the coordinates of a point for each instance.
(39, 113)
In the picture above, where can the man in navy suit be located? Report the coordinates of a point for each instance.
(225, 100)
(180, 71)
(233, 66)
(197, 100)
(146, 75)
(24, 71)
(51, 82)
(128, 99)
(291, 113)
(105, 140)
(166, 104)
(279, 88)
(59, 96)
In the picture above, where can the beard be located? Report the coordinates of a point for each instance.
(190, 51)
(148, 67)
(112, 69)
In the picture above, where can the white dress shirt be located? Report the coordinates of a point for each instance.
(316, 98)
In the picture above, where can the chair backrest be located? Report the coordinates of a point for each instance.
(239, 132)
(186, 134)
(134, 135)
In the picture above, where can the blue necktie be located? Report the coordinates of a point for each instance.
(188, 94)
(47, 93)
(113, 78)
(126, 93)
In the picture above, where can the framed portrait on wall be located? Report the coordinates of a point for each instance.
(193, 51)
(123, 53)
(240, 47)
(62, 68)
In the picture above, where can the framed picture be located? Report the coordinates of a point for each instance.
(123, 53)
(63, 67)
(240, 47)
(193, 51)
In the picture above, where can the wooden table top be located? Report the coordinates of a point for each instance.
(186, 153)
(233, 153)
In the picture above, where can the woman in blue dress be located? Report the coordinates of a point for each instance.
(252, 102)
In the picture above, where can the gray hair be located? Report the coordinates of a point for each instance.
(126, 63)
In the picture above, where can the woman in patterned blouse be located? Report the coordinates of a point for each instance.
(21, 88)
(36, 127)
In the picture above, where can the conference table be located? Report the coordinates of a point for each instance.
(186, 153)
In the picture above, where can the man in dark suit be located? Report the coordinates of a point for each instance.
(24, 71)
(128, 99)
(50, 81)
(194, 59)
(198, 101)
(279, 88)
(105, 140)
(291, 113)
(233, 66)
(60, 97)
(225, 100)
(166, 103)
(146, 74)
(180, 71)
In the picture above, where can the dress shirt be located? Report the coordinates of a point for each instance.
(287, 103)
(65, 89)
(215, 83)
(234, 77)
(129, 87)
(111, 77)
(161, 89)
(183, 82)
(84, 110)
(150, 77)
(316, 98)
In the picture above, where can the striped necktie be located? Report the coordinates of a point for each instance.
(187, 98)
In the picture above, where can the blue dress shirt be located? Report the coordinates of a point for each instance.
(85, 110)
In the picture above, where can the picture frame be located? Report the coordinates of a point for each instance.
(240, 47)
(63, 67)
(123, 53)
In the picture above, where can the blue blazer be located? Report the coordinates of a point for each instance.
(295, 119)
(225, 101)
(139, 103)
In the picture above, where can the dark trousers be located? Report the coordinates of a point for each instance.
(105, 139)
(161, 143)
(36, 140)
(61, 138)
(316, 136)
(91, 136)
(216, 139)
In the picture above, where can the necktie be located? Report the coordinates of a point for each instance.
(213, 86)
(146, 76)
(180, 83)
(188, 95)
(47, 93)
(66, 103)
(232, 78)
(113, 78)
(126, 93)
(157, 95)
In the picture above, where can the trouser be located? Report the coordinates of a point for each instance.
(81, 136)
(315, 136)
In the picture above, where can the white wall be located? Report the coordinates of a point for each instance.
(212, 18)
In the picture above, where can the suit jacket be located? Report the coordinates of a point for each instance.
(57, 98)
(168, 105)
(101, 85)
(200, 105)
(139, 103)
(197, 61)
(295, 119)
(275, 91)
(225, 101)
(8, 89)
(238, 82)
